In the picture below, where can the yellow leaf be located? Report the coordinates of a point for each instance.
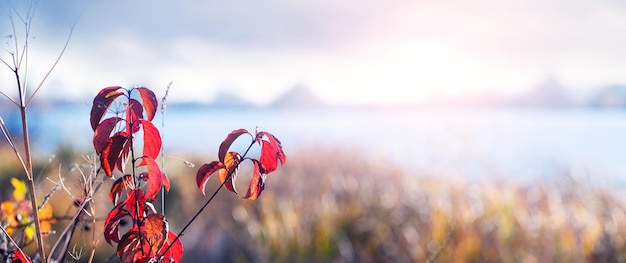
(29, 231)
(20, 189)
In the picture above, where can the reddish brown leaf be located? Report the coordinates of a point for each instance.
(257, 183)
(150, 102)
(231, 163)
(18, 256)
(112, 223)
(154, 178)
(175, 253)
(101, 104)
(129, 247)
(151, 140)
(119, 186)
(113, 152)
(230, 138)
(205, 171)
(134, 112)
(103, 133)
(154, 231)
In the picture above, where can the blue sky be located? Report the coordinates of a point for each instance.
(351, 51)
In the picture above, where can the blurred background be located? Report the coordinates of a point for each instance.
(442, 131)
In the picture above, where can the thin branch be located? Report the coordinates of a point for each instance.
(67, 42)
(230, 173)
(9, 98)
(5, 131)
(11, 239)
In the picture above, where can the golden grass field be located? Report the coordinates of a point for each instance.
(334, 205)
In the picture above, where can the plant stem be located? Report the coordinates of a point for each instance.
(31, 182)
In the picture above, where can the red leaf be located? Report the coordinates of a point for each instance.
(231, 161)
(166, 182)
(103, 133)
(269, 160)
(257, 184)
(154, 231)
(18, 256)
(271, 152)
(136, 203)
(119, 186)
(112, 223)
(134, 112)
(205, 171)
(151, 140)
(113, 152)
(154, 178)
(230, 138)
(101, 104)
(149, 102)
(175, 253)
(128, 249)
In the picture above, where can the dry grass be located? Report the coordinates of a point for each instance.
(332, 205)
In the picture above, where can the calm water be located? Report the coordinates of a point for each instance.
(519, 144)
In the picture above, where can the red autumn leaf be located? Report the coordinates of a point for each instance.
(166, 182)
(113, 153)
(18, 256)
(151, 140)
(257, 183)
(154, 231)
(175, 252)
(150, 102)
(134, 112)
(153, 176)
(112, 223)
(101, 104)
(271, 152)
(119, 186)
(136, 203)
(231, 163)
(129, 247)
(103, 132)
(205, 171)
(230, 138)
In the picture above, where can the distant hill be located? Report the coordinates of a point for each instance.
(228, 99)
(550, 93)
(298, 96)
(612, 96)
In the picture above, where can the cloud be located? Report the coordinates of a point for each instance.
(338, 48)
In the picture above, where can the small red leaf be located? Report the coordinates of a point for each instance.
(151, 140)
(231, 161)
(166, 182)
(18, 256)
(103, 132)
(112, 223)
(129, 248)
(175, 253)
(150, 102)
(205, 171)
(134, 112)
(119, 186)
(154, 178)
(257, 183)
(136, 203)
(230, 138)
(101, 104)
